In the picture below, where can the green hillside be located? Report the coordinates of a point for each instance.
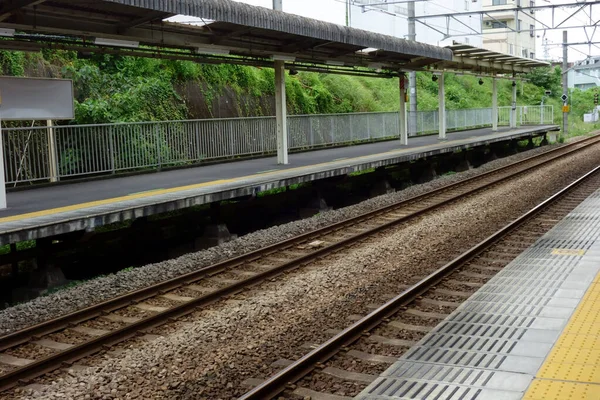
(122, 89)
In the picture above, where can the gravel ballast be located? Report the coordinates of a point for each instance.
(209, 357)
(104, 288)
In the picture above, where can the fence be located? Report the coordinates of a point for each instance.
(110, 148)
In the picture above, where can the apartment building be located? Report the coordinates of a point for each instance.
(585, 74)
(509, 32)
(392, 19)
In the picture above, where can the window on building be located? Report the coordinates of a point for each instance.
(498, 2)
(401, 10)
(510, 49)
(531, 4)
(524, 53)
(519, 24)
(499, 24)
(531, 30)
(532, 55)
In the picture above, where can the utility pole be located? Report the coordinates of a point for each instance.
(348, 13)
(412, 76)
(565, 82)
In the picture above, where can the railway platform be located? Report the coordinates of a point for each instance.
(53, 210)
(532, 332)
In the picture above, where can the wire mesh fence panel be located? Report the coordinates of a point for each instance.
(427, 122)
(26, 155)
(300, 135)
(533, 115)
(504, 116)
(340, 128)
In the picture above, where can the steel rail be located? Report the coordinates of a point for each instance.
(300, 368)
(76, 352)
(84, 314)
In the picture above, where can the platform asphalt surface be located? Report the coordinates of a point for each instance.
(52, 197)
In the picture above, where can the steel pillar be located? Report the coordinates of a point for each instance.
(412, 76)
(565, 84)
(442, 107)
(281, 113)
(2, 180)
(402, 114)
(513, 109)
(52, 162)
(494, 105)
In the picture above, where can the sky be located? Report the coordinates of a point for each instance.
(333, 11)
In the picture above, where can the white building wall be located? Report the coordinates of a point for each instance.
(519, 39)
(585, 74)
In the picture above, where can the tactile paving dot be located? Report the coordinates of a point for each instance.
(575, 356)
(570, 372)
(579, 341)
(557, 390)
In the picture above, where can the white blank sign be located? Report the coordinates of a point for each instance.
(36, 99)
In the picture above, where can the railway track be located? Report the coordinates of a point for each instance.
(344, 365)
(41, 348)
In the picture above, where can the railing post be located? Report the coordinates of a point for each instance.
(197, 142)
(158, 152)
(52, 158)
(311, 133)
(331, 127)
(111, 148)
(231, 139)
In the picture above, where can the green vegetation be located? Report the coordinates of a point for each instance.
(364, 171)
(24, 245)
(125, 89)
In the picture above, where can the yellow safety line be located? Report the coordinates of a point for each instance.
(80, 206)
(572, 369)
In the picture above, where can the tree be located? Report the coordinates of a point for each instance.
(548, 78)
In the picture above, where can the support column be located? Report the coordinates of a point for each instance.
(2, 180)
(513, 109)
(281, 113)
(442, 107)
(402, 114)
(52, 162)
(494, 105)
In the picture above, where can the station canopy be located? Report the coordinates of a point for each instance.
(228, 32)
(486, 62)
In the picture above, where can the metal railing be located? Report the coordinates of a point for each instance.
(41, 153)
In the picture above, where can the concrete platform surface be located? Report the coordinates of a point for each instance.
(532, 332)
(51, 210)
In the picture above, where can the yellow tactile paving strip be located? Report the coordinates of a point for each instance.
(572, 369)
